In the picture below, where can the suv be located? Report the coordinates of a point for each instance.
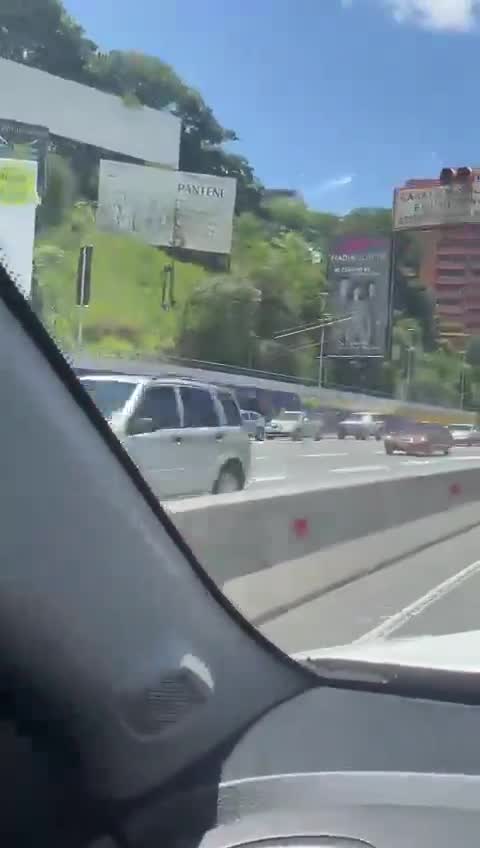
(361, 425)
(186, 437)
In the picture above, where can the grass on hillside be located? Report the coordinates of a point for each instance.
(125, 315)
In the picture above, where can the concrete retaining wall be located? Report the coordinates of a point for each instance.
(242, 534)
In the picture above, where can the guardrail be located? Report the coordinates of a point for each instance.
(327, 398)
(238, 537)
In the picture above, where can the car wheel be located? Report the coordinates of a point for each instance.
(446, 452)
(297, 437)
(230, 479)
(340, 434)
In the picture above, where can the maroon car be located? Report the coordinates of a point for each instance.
(419, 440)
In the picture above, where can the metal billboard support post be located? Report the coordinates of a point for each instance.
(80, 328)
(84, 276)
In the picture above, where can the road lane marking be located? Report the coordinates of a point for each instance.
(268, 479)
(402, 617)
(464, 458)
(415, 462)
(360, 468)
(322, 455)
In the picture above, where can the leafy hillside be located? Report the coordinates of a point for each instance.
(125, 315)
(276, 279)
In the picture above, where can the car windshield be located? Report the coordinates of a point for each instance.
(109, 395)
(277, 211)
(289, 416)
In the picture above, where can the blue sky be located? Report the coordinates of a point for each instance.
(342, 99)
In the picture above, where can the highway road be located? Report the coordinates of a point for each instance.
(278, 464)
(434, 592)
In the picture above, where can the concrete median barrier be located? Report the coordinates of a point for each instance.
(245, 533)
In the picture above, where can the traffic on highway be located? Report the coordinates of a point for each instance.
(240, 464)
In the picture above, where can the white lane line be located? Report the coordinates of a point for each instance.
(321, 455)
(359, 468)
(268, 479)
(415, 462)
(396, 621)
(464, 458)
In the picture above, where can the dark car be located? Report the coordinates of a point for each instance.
(422, 439)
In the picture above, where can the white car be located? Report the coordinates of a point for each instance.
(186, 437)
(295, 425)
(254, 424)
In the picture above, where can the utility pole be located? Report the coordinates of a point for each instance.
(322, 326)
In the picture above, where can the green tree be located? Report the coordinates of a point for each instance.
(40, 33)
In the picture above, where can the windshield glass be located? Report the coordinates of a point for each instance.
(109, 395)
(289, 416)
(272, 215)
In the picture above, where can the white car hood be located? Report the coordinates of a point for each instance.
(449, 652)
(283, 426)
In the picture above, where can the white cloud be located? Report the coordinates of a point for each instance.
(457, 15)
(332, 184)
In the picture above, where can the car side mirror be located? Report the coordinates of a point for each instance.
(137, 426)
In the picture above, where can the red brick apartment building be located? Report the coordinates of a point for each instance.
(451, 266)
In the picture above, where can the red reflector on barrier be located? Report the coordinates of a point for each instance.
(300, 527)
(455, 489)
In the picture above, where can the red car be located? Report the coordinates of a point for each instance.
(419, 440)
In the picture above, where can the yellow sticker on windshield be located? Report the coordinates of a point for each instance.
(18, 183)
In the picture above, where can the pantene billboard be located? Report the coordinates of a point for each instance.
(167, 208)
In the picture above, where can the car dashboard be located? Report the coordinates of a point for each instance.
(333, 767)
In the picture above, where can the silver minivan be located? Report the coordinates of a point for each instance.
(186, 437)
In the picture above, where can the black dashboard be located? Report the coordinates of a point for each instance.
(334, 767)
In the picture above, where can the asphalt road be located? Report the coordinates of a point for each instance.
(278, 464)
(434, 592)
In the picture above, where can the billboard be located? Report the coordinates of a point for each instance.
(358, 283)
(167, 208)
(92, 117)
(435, 206)
(26, 141)
(18, 203)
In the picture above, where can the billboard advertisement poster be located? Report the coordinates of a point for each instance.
(137, 200)
(26, 141)
(93, 117)
(436, 206)
(358, 283)
(204, 212)
(18, 203)
(167, 208)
